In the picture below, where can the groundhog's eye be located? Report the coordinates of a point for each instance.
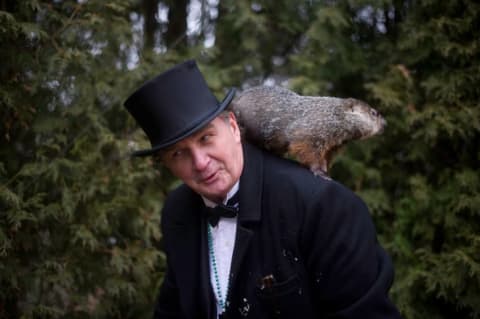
(373, 112)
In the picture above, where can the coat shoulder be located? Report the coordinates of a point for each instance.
(181, 205)
(281, 174)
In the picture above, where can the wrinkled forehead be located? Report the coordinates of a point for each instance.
(221, 118)
(211, 125)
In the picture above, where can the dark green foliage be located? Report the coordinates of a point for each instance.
(79, 234)
(79, 220)
(421, 178)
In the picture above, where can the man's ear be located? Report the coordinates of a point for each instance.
(232, 120)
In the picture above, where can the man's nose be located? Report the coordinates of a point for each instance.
(200, 159)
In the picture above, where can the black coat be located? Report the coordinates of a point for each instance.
(313, 235)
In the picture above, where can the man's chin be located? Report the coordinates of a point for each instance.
(215, 195)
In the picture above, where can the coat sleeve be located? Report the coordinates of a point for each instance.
(350, 273)
(167, 305)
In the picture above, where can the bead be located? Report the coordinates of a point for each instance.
(220, 300)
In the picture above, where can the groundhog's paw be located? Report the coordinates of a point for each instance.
(320, 173)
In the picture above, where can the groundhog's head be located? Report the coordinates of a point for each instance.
(366, 120)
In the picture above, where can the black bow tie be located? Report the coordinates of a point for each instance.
(229, 210)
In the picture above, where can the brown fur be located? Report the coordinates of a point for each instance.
(309, 128)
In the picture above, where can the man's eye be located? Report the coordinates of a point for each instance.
(176, 154)
(206, 137)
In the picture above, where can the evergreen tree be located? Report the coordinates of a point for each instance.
(79, 219)
(416, 62)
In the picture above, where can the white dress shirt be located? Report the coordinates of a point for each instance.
(223, 238)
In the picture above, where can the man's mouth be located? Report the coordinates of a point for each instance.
(209, 178)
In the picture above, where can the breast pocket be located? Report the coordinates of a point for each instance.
(286, 299)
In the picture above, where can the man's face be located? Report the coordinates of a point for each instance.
(211, 160)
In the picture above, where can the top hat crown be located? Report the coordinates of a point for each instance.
(174, 105)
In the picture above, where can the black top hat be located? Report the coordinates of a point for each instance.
(174, 105)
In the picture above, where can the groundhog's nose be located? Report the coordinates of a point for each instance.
(383, 124)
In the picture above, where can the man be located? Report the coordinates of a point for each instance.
(292, 245)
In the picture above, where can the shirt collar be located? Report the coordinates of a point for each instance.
(230, 194)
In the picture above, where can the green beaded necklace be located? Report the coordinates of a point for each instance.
(220, 300)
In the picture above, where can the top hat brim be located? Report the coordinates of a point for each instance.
(189, 130)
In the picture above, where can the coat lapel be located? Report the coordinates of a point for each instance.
(251, 183)
(191, 249)
(206, 293)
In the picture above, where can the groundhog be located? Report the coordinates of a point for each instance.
(308, 128)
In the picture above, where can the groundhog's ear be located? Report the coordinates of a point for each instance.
(349, 105)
